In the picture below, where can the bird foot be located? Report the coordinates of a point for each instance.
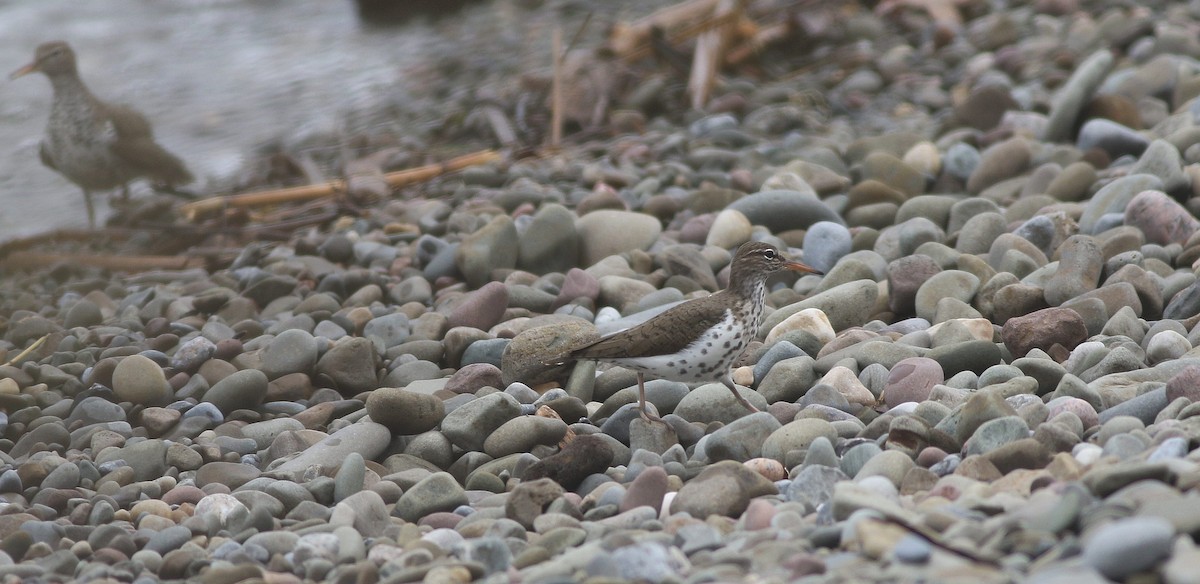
(647, 416)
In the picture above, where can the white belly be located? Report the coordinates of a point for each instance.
(706, 359)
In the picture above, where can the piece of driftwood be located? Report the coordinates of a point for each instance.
(632, 41)
(32, 259)
(28, 350)
(203, 207)
(711, 46)
(556, 90)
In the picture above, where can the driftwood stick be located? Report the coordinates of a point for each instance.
(28, 350)
(397, 179)
(632, 41)
(556, 90)
(32, 259)
(710, 47)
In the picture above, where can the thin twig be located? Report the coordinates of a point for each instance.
(556, 90)
(398, 179)
(31, 348)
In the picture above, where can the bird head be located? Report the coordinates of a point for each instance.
(52, 58)
(764, 258)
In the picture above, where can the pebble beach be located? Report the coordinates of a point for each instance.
(996, 379)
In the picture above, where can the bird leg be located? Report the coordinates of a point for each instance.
(741, 400)
(91, 211)
(646, 415)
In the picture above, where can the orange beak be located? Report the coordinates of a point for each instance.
(800, 267)
(23, 71)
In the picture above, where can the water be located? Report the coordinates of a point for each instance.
(215, 78)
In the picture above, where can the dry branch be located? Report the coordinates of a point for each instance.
(556, 91)
(397, 179)
(632, 41)
(32, 259)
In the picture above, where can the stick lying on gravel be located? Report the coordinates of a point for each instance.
(198, 209)
(18, 260)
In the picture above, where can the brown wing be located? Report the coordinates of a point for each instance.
(136, 146)
(651, 338)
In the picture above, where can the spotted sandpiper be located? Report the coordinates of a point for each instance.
(96, 145)
(698, 340)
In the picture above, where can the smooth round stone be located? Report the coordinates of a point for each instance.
(1160, 218)
(523, 433)
(365, 511)
(912, 380)
(847, 385)
(1073, 183)
(1079, 269)
(1075, 94)
(980, 231)
(292, 351)
(95, 409)
(1043, 329)
(364, 437)
(231, 474)
(813, 485)
(243, 390)
(824, 243)
(140, 380)
(842, 304)
(780, 350)
(730, 228)
(493, 246)
(796, 435)
(890, 464)
(1079, 408)
(550, 244)
(192, 354)
(1114, 198)
(905, 276)
(350, 476)
(810, 320)
(1166, 346)
(858, 456)
(1115, 139)
(83, 313)
(780, 210)
(1144, 407)
(647, 490)
(1044, 232)
(469, 425)
(609, 232)
(948, 284)
(406, 373)
(998, 162)
(64, 476)
(723, 488)
(1185, 383)
(482, 308)
(961, 160)
(485, 351)
(350, 364)
(1128, 546)
(405, 412)
(220, 507)
(436, 492)
(713, 402)
(996, 433)
(912, 549)
(741, 439)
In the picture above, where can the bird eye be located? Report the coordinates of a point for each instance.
(769, 254)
